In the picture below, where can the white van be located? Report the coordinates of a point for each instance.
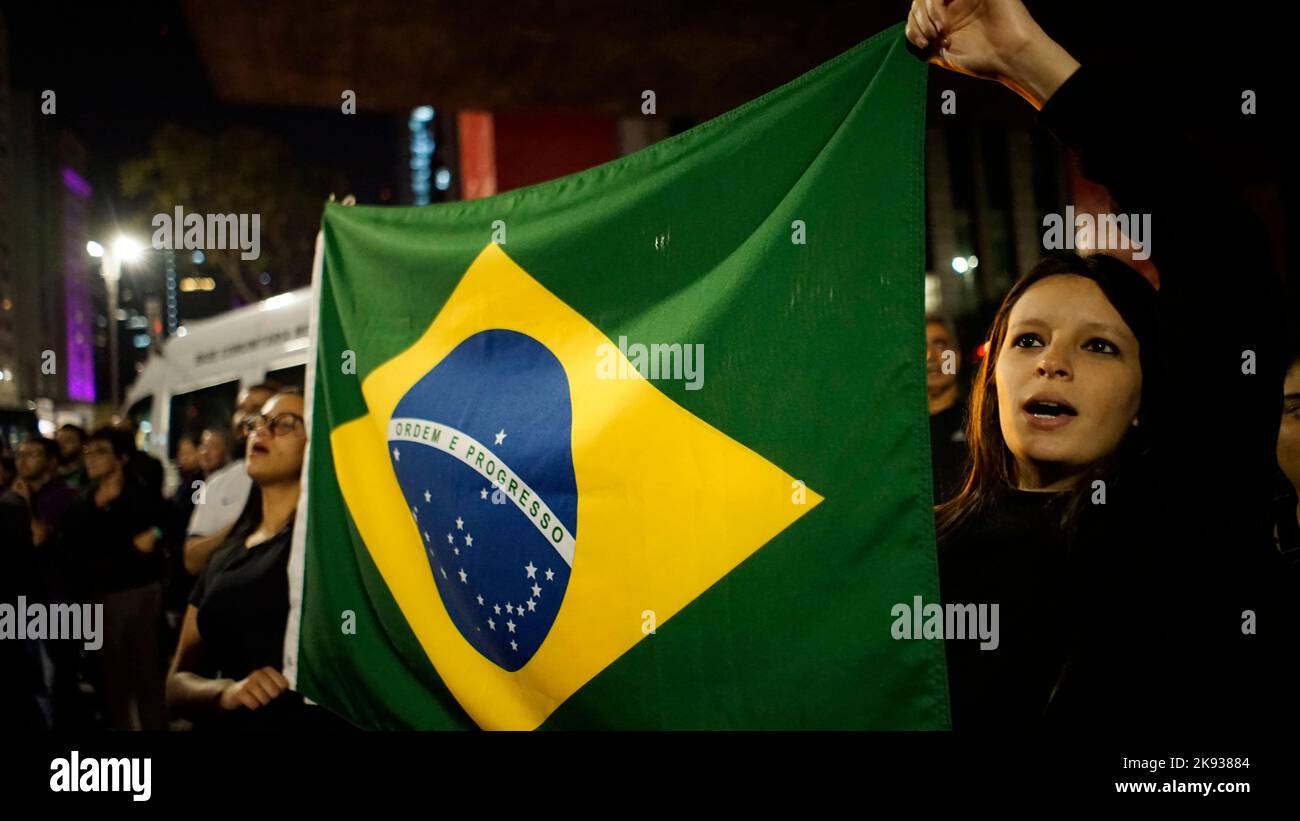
(193, 383)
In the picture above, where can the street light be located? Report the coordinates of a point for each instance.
(127, 249)
(122, 249)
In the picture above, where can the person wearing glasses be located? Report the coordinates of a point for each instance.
(226, 671)
(227, 488)
(113, 533)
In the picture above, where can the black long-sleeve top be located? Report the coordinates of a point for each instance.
(1139, 618)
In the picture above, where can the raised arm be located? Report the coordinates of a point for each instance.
(1218, 285)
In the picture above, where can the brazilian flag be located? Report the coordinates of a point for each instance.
(641, 447)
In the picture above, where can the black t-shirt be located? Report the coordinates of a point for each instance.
(1014, 558)
(102, 540)
(242, 599)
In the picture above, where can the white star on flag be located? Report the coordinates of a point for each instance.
(531, 607)
(513, 646)
(469, 539)
(537, 591)
(444, 573)
(480, 601)
(464, 577)
(450, 539)
(510, 625)
(397, 457)
(501, 436)
(550, 574)
(426, 535)
(492, 624)
(460, 523)
(497, 608)
(482, 494)
(428, 497)
(530, 570)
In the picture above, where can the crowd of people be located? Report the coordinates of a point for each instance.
(84, 519)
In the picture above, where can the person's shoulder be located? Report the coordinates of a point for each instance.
(232, 473)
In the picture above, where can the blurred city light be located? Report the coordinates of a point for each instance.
(960, 265)
(188, 284)
(127, 249)
(94, 249)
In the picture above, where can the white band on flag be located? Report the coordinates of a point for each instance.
(487, 464)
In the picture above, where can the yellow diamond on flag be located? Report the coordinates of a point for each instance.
(666, 504)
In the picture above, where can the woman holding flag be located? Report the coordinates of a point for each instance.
(1122, 438)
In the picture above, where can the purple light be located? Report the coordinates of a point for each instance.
(81, 356)
(77, 305)
(75, 183)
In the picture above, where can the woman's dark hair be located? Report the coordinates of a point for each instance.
(992, 471)
(50, 447)
(80, 432)
(122, 442)
(1292, 354)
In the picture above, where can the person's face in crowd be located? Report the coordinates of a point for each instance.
(937, 341)
(250, 401)
(214, 451)
(101, 461)
(276, 440)
(1069, 381)
(32, 462)
(187, 456)
(1288, 435)
(70, 444)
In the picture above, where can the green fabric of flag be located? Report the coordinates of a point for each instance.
(726, 534)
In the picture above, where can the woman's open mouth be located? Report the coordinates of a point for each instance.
(1049, 413)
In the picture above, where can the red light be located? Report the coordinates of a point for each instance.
(982, 350)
